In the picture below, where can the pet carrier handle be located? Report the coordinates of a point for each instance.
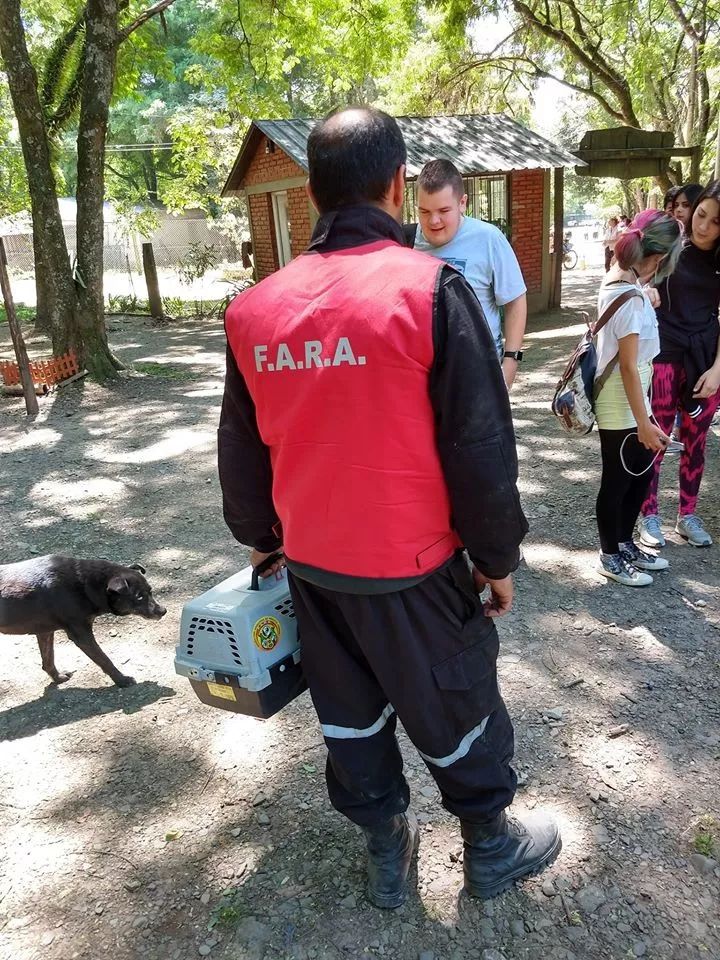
(266, 564)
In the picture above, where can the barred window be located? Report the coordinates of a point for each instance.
(487, 200)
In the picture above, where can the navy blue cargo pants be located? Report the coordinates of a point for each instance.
(426, 654)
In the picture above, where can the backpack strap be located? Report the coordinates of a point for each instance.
(607, 314)
(612, 308)
(409, 230)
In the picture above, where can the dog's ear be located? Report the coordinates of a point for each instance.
(136, 566)
(118, 585)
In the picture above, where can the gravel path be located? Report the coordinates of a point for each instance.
(138, 823)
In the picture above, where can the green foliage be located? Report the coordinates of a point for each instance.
(200, 258)
(127, 303)
(24, 313)
(13, 181)
(323, 53)
(707, 835)
(649, 64)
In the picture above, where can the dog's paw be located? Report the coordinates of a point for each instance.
(123, 681)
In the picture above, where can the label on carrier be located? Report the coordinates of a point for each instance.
(219, 690)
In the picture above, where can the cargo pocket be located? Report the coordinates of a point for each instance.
(476, 664)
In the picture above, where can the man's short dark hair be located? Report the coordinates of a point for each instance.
(353, 154)
(438, 174)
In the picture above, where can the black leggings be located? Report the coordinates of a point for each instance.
(621, 494)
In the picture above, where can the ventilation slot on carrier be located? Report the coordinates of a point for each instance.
(206, 625)
(286, 609)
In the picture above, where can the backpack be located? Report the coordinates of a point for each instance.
(577, 389)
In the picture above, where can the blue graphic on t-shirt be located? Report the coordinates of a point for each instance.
(458, 264)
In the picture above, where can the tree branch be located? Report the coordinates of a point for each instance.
(594, 63)
(143, 18)
(684, 22)
(540, 73)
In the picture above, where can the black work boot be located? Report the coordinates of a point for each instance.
(391, 846)
(499, 852)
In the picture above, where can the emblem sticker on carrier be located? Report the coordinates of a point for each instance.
(266, 633)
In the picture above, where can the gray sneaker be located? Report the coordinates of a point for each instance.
(650, 532)
(615, 567)
(691, 529)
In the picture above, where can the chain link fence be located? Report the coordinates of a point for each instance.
(196, 259)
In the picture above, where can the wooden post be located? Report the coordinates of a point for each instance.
(28, 387)
(157, 311)
(558, 236)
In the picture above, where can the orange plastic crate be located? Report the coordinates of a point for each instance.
(44, 372)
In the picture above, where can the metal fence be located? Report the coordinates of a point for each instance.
(180, 245)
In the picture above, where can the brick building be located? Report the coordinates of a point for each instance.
(506, 167)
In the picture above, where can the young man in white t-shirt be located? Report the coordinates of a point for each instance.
(479, 251)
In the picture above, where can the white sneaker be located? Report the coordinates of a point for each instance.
(690, 528)
(631, 553)
(650, 532)
(614, 567)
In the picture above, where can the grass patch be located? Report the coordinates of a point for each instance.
(228, 913)
(707, 835)
(24, 313)
(166, 371)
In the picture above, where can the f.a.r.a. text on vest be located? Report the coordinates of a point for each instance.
(306, 355)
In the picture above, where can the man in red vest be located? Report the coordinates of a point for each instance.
(366, 431)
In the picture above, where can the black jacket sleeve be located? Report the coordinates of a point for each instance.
(474, 430)
(244, 467)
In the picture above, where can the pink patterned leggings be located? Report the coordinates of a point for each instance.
(667, 388)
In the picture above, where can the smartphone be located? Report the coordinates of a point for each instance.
(674, 447)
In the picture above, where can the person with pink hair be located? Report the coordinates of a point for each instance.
(629, 438)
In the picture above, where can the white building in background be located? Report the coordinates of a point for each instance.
(586, 235)
(171, 238)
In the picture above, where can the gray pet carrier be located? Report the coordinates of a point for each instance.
(239, 645)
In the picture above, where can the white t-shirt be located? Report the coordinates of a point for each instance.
(482, 254)
(611, 235)
(636, 316)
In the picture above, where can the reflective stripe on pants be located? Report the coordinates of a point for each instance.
(426, 655)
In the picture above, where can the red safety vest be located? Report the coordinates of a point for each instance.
(336, 350)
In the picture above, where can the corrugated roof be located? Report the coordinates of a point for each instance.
(490, 143)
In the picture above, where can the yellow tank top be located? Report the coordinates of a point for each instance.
(612, 409)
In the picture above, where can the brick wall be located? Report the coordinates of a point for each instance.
(268, 168)
(263, 232)
(527, 195)
(299, 211)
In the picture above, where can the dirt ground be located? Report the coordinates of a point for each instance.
(139, 823)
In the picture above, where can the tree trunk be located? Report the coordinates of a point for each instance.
(55, 282)
(101, 51)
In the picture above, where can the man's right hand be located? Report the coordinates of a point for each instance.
(256, 558)
(501, 593)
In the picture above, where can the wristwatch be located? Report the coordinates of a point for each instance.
(513, 355)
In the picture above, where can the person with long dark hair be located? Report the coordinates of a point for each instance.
(669, 199)
(629, 439)
(687, 370)
(683, 203)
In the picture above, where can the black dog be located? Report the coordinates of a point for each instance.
(61, 593)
